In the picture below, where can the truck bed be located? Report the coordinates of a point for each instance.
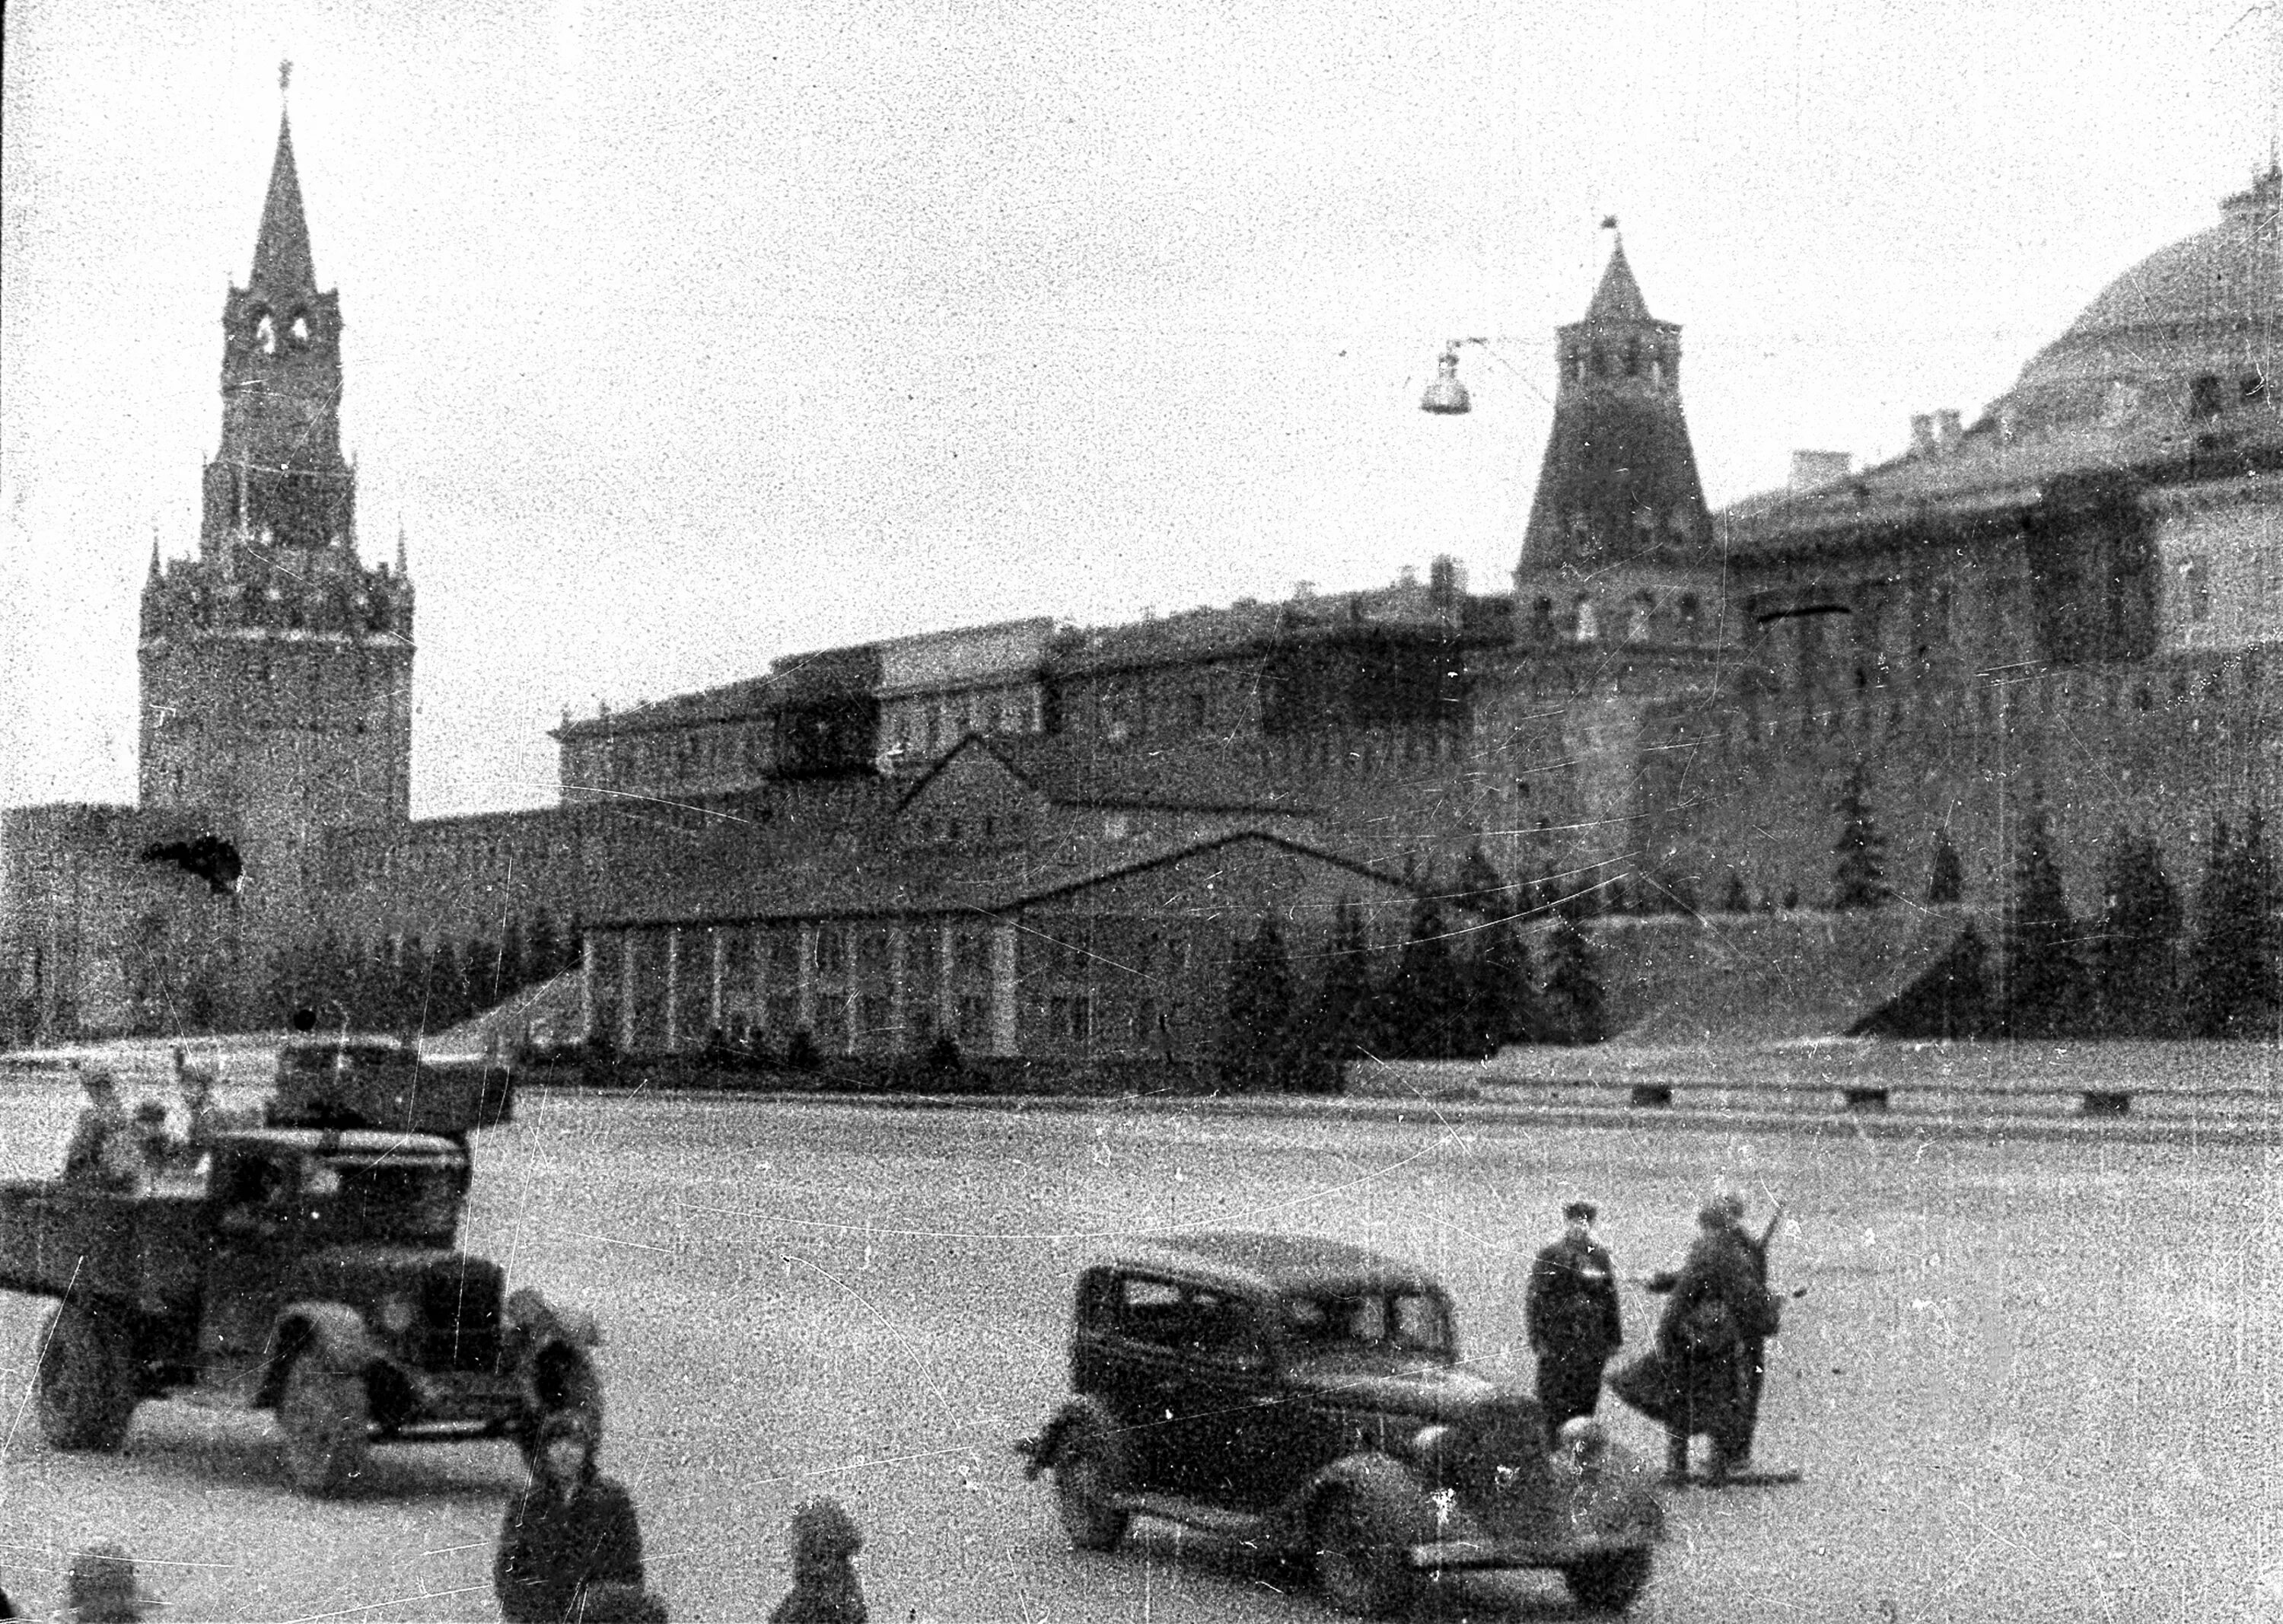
(61, 1240)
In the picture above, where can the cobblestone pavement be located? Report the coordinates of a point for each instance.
(2028, 1379)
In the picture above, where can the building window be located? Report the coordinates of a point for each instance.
(1639, 619)
(2195, 586)
(2204, 397)
(1691, 616)
(1198, 710)
(2255, 388)
(1588, 627)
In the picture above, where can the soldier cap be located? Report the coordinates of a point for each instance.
(1581, 1209)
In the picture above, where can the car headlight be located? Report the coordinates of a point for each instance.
(398, 1315)
(1428, 1444)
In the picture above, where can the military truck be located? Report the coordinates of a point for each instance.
(302, 1266)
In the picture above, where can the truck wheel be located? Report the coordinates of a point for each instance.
(86, 1380)
(1608, 1583)
(1360, 1567)
(1089, 1472)
(327, 1420)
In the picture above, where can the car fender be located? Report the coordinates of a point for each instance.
(1084, 1410)
(335, 1331)
(1618, 1503)
(1397, 1493)
(538, 1322)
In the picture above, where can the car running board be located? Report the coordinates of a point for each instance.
(1743, 1479)
(1195, 1514)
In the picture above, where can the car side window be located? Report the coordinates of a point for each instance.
(1151, 1311)
(1222, 1328)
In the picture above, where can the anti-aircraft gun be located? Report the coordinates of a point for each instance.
(307, 1264)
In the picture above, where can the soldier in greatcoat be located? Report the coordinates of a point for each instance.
(1715, 1302)
(1574, 1323)
(572, 1531)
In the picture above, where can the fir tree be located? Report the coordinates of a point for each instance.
(1571, 1010)
(2233, 991)
(514, 968)
(1859, 875)
(1482, 889)
(2044, 992)
(543, 950)
(408, 1000)
(1945, 877)
(1500, 1001)
(1256, 1013)
(448, 997)
(1426, 997)
(480, 971)
(2134, 978)
(1338, 1015)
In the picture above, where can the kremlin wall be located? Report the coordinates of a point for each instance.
(2078, 596)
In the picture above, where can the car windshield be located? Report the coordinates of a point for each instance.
(1405, 1321)
(365, 1059)
(361, 1198)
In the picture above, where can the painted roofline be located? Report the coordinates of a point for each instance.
(1018, 898)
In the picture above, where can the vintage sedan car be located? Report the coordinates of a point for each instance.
(1308, 1396)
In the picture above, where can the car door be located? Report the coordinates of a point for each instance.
(1227, 1410)
(1141, 1376)
(253, 1193)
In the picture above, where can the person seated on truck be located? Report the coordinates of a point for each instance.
(103, 1149)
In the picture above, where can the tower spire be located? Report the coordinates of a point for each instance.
(281, 251)
(1619, 483)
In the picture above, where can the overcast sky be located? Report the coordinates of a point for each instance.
(679, 337)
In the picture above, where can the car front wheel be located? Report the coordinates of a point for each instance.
(1361, 1567)
(1608, 1583)
(86, 1382)
(326, 1417)
(1089, 1472)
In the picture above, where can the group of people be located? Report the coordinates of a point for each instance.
(100, 1587)
(570, 1552)
(1704, 1374)
(570, 1548)
(128, 1150)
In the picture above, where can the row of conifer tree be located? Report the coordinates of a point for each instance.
(2149, 963)
(1461, 987)
(416, 985)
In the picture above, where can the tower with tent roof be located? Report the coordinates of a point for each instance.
(275, 664)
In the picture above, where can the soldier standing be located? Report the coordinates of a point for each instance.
(1573, 1319)
(572, 1531)
(1757, 1326)
(1716, 1297)
(103, 1149)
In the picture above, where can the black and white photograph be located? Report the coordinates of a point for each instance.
(875, 811)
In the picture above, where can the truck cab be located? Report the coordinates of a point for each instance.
(313, 1270)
